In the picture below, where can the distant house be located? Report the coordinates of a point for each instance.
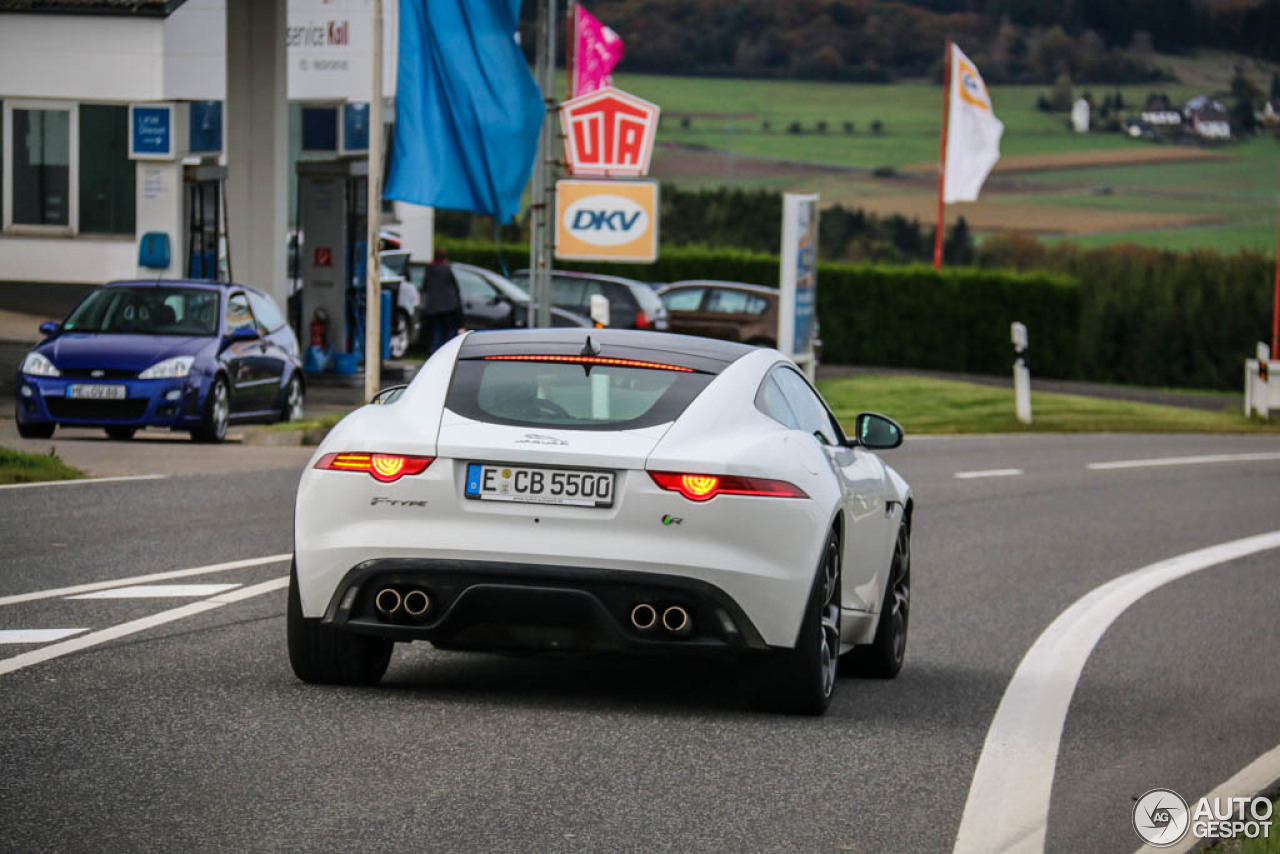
(1158, 113)
(1208, 118)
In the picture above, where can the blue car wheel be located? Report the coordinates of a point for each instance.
(217, 411)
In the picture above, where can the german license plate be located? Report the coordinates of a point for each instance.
(98, 392)
(536, 485)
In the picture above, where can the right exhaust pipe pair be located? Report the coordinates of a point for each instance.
(674, 618)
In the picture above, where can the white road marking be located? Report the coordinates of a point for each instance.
(972, 475)
(84, 480)
(18, 598)
(159, 591)
(1204, 459)
(57, 650)
(36, 635)
(1254, 778)
(1008, 805)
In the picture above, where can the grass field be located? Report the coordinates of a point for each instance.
(1159, 195)
(22, 467)
(933, 406)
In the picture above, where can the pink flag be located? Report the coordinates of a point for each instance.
(598, 50)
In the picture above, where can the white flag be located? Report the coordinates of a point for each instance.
(973, 132)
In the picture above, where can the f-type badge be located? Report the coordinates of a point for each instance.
(539, 439)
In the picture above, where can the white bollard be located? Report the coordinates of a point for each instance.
(1021, 373)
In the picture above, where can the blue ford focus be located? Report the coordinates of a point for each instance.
(184, 355)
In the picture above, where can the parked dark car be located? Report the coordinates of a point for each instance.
(490, 301)
(187, 355)
(632, 304)
(730, 311)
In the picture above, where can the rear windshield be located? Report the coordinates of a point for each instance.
(147, 310)
(574, 396)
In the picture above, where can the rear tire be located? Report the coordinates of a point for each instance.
(217, 411)
(324, 655)
(121, 434)
(802, 680)
(884, 656)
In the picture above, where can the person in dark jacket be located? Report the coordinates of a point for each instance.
(442, 302)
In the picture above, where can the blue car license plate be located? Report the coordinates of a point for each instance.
(98, 392)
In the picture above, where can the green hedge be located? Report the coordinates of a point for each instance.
(1121, 314)
(955, 320)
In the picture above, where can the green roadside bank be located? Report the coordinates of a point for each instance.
(22, 467)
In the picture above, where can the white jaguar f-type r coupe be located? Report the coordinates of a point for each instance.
(595, 489)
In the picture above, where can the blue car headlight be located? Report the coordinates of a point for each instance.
(169, 369)
(38, 366)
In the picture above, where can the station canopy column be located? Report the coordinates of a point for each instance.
(258, 144)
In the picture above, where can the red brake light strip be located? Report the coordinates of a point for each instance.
(385, 468)
(704, 487)
(593, 360)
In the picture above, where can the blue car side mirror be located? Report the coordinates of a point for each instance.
(245, 333)
(50, 327)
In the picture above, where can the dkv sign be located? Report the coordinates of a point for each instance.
(607, 220)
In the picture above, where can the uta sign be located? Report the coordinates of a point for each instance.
(609, 133)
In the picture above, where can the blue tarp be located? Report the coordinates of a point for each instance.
(467, 109)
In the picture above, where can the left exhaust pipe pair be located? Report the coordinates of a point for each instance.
(674, 618)
(391, 603)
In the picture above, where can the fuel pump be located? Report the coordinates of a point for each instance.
(331, 235)
(205, 214)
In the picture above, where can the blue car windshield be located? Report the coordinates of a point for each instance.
(150, 310)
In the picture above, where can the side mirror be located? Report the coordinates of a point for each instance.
(388, 395)
(876, 432)
(245, 333)
(50, 327)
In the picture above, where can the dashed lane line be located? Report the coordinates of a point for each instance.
(158, 591)
(1204, 459)
(36, 635)
(973, 475)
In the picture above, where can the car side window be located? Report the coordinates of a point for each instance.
(239, 315)
(772, 402)
(683, 299)
(567, 292)
(473, 286)
(756, 304)
(810, 411)
(264, 308)
(725, 301)
(619, 295)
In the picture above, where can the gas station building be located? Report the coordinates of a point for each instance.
(162, 139)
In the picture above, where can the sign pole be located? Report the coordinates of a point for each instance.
(571, 51)
(373, 282)
(541, 232)
(942, 165)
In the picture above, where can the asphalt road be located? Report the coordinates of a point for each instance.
(194, 735)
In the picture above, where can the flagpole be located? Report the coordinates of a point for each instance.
(942, 166)
(373, 218)
(571, 50)
(1275, 304)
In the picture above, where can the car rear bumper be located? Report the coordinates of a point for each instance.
(158, 403)
(487, 605)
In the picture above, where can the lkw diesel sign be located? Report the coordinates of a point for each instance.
(607, 220)
(609, 133)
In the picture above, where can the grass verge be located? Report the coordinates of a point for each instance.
(1242, 845)
(22, 467)
(927, 405)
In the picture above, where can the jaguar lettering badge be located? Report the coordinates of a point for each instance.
(379, 501)
(539, 439)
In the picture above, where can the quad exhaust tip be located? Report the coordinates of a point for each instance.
(387, 601)
(676, 620)
(644, 616)
(416, 603)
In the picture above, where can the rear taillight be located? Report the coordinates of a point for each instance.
(385, 468)
(704, 487)
(643, 321)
